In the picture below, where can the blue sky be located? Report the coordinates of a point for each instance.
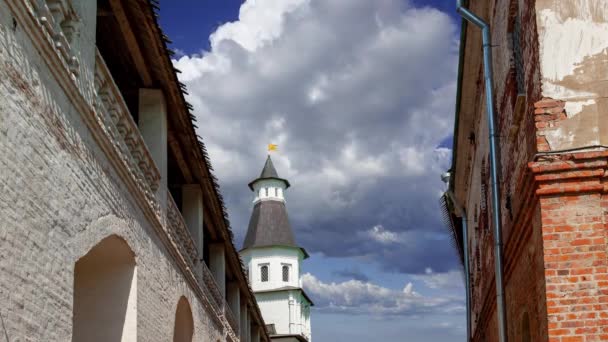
(359, 96)
(190, 22)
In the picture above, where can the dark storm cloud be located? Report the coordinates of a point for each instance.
(358, 95)
(351, 274)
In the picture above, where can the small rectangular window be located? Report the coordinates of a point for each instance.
(285, 273)
(264, 273)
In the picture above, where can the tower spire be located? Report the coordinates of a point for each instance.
(272, 258)
(268, 173)
(269, 223)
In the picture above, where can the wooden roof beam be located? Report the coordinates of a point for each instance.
(179, 157)
(132, 45)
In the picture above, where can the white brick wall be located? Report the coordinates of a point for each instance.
(60, 196)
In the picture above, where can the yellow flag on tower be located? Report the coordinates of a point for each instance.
(272, 147)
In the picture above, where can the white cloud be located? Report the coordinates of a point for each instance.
(378, 233)
(359, 297)
(259, 23)
(357, 94)
(443, 281)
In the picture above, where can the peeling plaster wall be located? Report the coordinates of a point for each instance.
(573, 43)
(563, 104)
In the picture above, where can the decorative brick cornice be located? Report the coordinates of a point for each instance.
(570, 172)
(58, 21)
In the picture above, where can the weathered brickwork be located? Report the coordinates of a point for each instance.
(521, 218)
(62, 193)
(574, 239)
(552, 191)
(548, 114)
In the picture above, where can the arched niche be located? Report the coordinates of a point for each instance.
(105, 294)
(184, 324)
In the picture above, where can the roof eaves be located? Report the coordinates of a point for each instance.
(302, 249)
(300, 338)
(154, 6)
(263, 178)
(463, 39)
(289, 288)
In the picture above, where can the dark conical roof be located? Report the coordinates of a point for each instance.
(269, 172)
(269, 223)
(269, 226)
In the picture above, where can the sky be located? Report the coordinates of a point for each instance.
(359, 97)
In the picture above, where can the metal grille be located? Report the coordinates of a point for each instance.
(285, 273)
(518, 55)
(264, 272)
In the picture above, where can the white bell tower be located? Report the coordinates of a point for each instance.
(272, 259)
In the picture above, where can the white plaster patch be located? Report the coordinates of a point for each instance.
(557, 91)
(565, 138)
(572, 40)
(574, 107)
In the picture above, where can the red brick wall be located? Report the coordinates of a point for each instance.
(571, 189)
(554, 231)
(522, 235)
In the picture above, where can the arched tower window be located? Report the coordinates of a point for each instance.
(264, 273)
(286, 273)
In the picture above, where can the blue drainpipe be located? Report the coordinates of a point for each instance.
(489, 78)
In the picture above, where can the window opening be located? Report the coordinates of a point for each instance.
(285, 273)
(264, 273)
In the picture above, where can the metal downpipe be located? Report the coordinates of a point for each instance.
(461, 212)
(489, 80)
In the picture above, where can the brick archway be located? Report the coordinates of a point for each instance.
(184, 324)
(105, 293)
